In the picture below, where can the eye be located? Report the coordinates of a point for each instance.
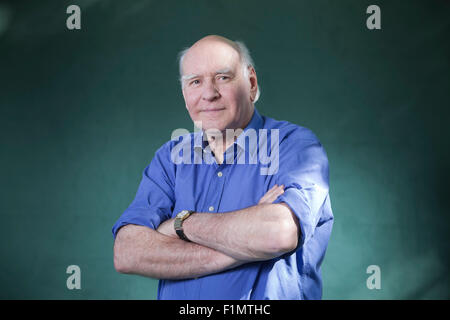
(194, 82)
(224, 77)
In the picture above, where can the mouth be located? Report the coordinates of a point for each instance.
(213, 110)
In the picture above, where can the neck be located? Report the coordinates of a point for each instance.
(219, 141)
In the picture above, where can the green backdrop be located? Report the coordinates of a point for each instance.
(83, 111)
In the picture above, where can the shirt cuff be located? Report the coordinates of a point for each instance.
(133, 217)
(297, 201)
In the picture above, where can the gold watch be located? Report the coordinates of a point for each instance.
(178, 224)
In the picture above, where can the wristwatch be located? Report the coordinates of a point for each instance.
(178, 224)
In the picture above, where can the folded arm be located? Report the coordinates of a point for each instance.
(144, 251)
(260, 232)
(220, 242)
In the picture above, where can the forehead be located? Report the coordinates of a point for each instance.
(208, 58)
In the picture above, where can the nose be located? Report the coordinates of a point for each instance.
(210, 92)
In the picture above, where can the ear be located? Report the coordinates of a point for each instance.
(184, 97)
(253, 83)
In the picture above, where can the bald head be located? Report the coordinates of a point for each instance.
(211, 43)
(219, 83)
(216, 43)
(215, 39)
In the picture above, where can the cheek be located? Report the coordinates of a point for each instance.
(238, 92)
(190, 98)
(243, 93)
(230, 95)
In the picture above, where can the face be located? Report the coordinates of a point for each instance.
(215, 90)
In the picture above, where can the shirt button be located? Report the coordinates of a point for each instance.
(219, 174)
(211, 208)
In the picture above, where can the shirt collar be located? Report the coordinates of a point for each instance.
(256, 123)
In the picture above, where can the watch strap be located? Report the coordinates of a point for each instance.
(178, 224)
(181, 234)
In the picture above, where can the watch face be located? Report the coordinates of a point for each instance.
(182, 214)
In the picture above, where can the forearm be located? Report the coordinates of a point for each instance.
(260, 232)
(144, 251)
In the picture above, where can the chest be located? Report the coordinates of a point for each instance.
(219, 188)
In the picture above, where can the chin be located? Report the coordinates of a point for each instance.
(213, 127)
(211, 124)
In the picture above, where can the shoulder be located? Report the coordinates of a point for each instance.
(290, 132)
(299, 147)
(176, 144)
(176, 151)
(163, 162)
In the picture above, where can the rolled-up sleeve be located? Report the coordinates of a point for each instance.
(303, 170)
(154, 200)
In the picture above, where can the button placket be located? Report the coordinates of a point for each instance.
(215, 189)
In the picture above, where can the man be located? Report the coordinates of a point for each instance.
(225, 227)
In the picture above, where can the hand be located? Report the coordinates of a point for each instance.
(272, 194)
(167, 228)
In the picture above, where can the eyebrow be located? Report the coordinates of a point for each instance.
(191, 76)
(226, 70)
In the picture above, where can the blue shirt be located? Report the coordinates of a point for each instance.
(169, 185)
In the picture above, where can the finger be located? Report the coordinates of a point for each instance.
(271, 190)
(274, 196)
(274, 191)
(277, 193)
